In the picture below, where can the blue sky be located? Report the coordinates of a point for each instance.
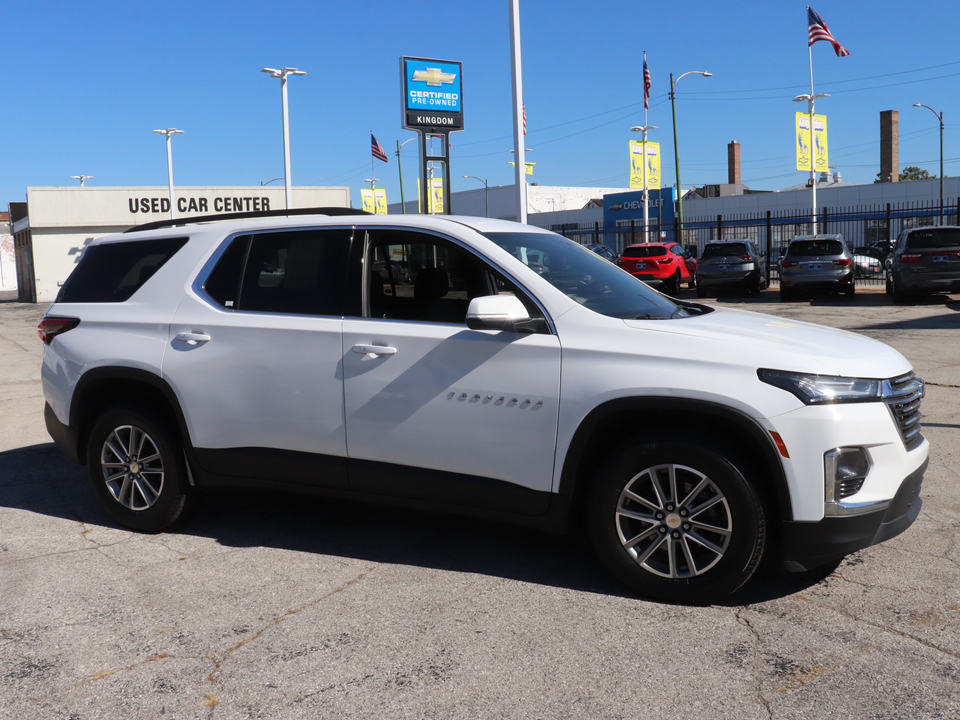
(86, 83)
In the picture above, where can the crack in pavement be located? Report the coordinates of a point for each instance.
(884, 628)
(757, 660)
(211, 700)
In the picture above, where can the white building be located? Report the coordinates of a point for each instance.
(53, 226)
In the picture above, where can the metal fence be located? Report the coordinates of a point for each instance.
(772, 231)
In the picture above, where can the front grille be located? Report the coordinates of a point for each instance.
(903, 395)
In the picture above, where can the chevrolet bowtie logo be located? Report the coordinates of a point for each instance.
(434, 77)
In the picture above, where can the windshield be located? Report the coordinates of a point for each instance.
(723, 249)
(811, 248)
(933, 238)
(589, 279)
(635, 251)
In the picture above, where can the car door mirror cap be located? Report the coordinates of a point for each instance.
(496, 312)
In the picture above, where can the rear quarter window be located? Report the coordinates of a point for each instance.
(113, 272)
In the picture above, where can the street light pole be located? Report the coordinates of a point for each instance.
(810, 99)
(646, 191)
(940, 118)
(283, 74)
(676, 149)
(486, 193)
(168, 132)
(403, 204)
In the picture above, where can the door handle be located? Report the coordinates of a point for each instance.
(193, 338)
(374, 350)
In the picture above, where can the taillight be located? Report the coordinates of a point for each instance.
(912, 257)
(665, 261)
(50, 327)
(745, 258)
(787, 263)
(842, 262)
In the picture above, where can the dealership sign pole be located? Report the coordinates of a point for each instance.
(432, 106)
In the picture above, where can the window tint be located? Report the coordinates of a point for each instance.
(719, 249)
(592, 281)
(297, 272)
(411, 276)
(645, 251)
(112, 272)
(934, 238)
(223, 284)
(809, 248)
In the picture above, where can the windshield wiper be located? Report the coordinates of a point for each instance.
(645, 316)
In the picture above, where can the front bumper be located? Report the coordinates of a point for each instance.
(806, 545)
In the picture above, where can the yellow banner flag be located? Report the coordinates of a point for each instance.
(380, 201)
(812, 153)
(369, 204)
(528, 166)
(638, 166)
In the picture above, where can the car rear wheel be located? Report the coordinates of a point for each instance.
(899, 295)
(676, 521)
(786, 294)
(137, 469)
(672, 285)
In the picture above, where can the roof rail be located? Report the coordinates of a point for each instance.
(174, 222)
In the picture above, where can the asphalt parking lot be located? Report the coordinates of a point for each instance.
(265, 606)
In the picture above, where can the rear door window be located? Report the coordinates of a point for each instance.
(298, 272)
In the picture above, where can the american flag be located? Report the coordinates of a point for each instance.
(818, 30)
(377, 151)
(524, 118)
(647, 83)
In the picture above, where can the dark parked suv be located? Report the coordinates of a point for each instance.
(733, 263)
(925, 260)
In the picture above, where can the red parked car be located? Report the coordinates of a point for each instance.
(664, 264)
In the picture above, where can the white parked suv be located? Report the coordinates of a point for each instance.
(421, 361)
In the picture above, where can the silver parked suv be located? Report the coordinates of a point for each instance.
(925, 260)
(817, 263)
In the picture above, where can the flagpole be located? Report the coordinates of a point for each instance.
(646, 192)
(813, 164)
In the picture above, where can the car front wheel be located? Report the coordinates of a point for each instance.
(137, 469)
(676, 521)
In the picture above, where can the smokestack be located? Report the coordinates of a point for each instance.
(733, 163)
(890, 146)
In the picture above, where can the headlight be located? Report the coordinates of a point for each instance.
(823, 389)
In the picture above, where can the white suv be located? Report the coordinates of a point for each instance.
(422, 361)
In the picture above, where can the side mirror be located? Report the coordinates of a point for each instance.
(496, 312)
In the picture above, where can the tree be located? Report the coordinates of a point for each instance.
(910, 173)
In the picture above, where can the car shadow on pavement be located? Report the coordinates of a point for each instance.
(40, 480)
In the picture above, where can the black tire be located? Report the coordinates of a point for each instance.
(754, 287)
(888, 286)
(137, 469)
(786, 294)
(701, 291)
(851, 291)
(692, 282)
(899, 296)
(695, 548)
(672, 285)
